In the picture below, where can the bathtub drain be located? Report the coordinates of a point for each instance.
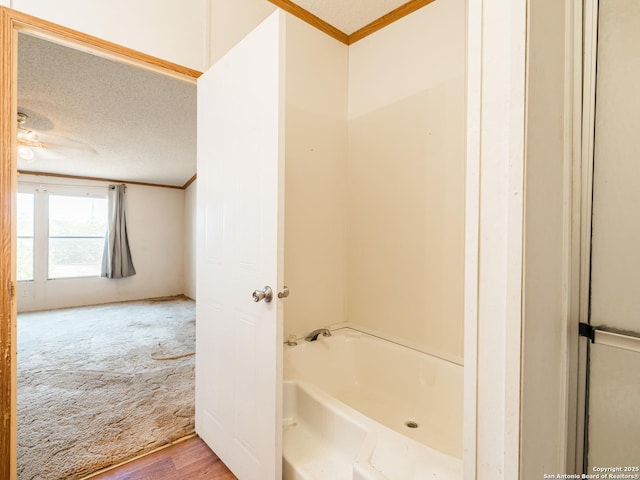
(411, 424)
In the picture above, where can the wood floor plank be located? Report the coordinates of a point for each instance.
(193, 452)
(187, 460)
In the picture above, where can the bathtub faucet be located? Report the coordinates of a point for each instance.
(313, 336)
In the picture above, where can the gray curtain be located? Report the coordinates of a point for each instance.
(116, 260)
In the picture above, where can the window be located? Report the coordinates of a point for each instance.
(25, 228)
(61, 231)
(77, 228)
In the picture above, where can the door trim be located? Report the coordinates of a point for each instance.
(12, 23)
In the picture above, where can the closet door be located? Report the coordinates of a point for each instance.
(239, 255)
(614, 358)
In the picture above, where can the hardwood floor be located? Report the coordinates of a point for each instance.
(187, 460)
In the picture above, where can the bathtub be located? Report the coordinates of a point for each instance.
(358, 407)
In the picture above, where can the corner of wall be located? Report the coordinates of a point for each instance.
(316, 149)
(231, 20)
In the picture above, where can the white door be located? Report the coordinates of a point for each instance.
(239, 250)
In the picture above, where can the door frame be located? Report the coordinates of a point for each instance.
(582, 90)
(11, 24)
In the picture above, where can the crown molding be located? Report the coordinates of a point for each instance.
(315, 21)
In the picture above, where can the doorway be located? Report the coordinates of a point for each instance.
(13, 25)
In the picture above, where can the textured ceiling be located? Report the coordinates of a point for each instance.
(106, 119)
(349, 16)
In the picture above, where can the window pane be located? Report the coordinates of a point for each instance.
(24, 227)
(25, 214)
(25, 259)
(71, 216)
(77, 227)
(75, 257)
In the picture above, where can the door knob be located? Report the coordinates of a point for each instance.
(265, 294)
(284, 293)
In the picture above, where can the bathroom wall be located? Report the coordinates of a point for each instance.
(195, 33)
(315, 178)
(405, 214)
(174, 30)
(231, 21)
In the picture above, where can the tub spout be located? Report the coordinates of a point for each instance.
(313, 336)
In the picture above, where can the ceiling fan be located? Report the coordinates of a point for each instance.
(27, 139)
(33, 145)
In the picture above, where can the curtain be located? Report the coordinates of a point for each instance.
(116, 260)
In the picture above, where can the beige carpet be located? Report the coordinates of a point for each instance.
(92, 390)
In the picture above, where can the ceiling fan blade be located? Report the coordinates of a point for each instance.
(48, 154)
(65, 144)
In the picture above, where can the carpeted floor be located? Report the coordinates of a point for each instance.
(100, 385)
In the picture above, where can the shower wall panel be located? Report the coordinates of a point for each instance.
(406, 180)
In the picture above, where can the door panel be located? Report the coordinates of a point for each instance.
(615, 281)
(614, 368)
(614, 418)
(239, 341)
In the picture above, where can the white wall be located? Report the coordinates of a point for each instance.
(173, 30)
(190, 195)
(155, 224)
(315, 178)
(231, 20)
(406, 179)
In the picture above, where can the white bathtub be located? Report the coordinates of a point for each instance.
(347, 402)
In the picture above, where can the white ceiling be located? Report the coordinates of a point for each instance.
(105, 119)
(349, 15)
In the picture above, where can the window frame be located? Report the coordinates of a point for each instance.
(42, 192)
